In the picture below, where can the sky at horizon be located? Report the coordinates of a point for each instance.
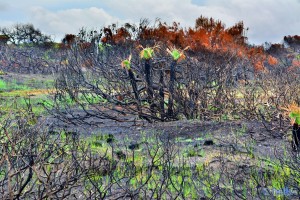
(267, 20)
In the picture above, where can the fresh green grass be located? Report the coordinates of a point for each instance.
(2, 85)
(12, 85)
(275, 175)
(18, 95)
(193, 179)
(22, 104)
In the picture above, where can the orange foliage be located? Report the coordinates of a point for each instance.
(208, 34)
(259, 66)
(165, 34)
(198, 39)
(272, 60)
(121, 36)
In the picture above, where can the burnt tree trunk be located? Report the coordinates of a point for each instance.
(171, 89)
(148, 79)
(135, 90)
(296, 137)
(161, 94)
(149, 85)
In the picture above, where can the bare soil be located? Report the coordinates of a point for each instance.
(234, 136)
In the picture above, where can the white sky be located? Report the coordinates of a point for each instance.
(268, 20)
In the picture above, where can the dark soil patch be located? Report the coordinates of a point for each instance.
(233, 136)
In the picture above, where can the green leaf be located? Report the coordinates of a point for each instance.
(175, 54)
(179, 178)
(133, 181)
(187, 190)
(147, 53)
(127, 64)
(101, 47)
(297, 120)
(295, 116)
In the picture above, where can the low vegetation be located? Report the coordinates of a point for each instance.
(149, 112)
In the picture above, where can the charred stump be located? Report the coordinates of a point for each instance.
(296, 137)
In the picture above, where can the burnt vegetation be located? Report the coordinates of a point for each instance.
(151, 74)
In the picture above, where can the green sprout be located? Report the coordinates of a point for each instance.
(147, 53)
(294, 113)
(103, 46)
(176, 54)
(295, 117)
(126, 63)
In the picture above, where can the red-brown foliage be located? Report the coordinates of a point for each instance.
(208, 34)
(272, 60)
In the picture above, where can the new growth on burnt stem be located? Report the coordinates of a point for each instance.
(294, 114)
(147, 54)
(126, 64)
(177, 56)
